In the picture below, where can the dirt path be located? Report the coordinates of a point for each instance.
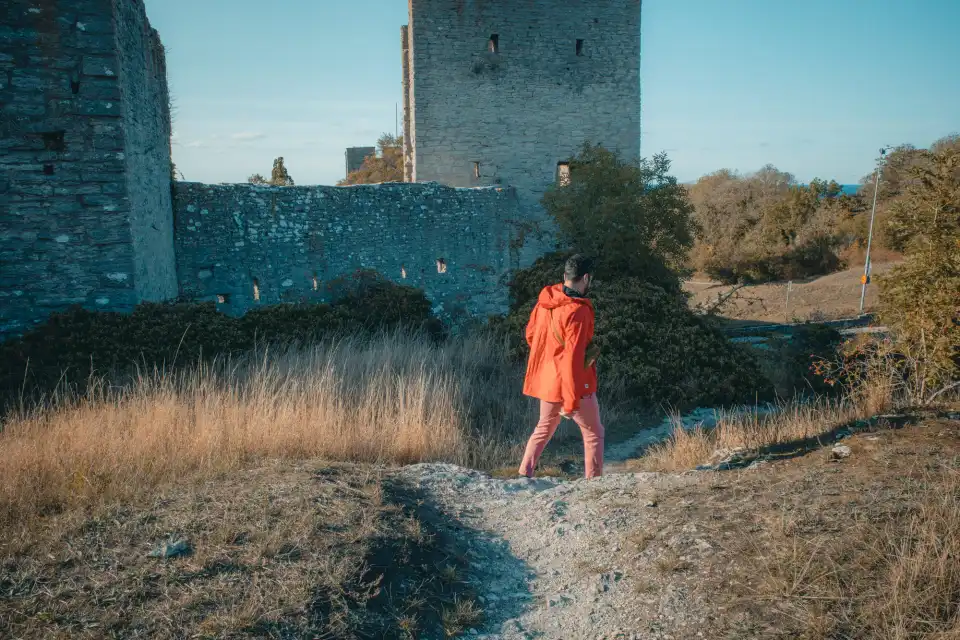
(544, 563)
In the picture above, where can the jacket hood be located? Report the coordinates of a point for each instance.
(553, 297)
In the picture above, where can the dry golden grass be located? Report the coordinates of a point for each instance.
(394, 399)
(817, 548)
(752, 432)
(890, 573)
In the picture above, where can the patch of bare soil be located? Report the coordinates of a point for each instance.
(280, 551)
(829, 297)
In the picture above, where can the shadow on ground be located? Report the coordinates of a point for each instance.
(478, 583)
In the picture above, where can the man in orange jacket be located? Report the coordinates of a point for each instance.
(562, 371)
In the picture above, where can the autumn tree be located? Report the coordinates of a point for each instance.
(765, 226)
(385, 166)
(257, 179)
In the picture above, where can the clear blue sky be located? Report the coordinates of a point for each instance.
(814, 87)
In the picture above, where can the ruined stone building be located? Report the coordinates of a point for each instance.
(355, 156)
(498, 95)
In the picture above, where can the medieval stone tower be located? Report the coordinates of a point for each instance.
(85, 202)
(505, 91)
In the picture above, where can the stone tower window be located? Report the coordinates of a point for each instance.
(441, 265)
(494, 44)
(579, 46)
(563, 173)
(476, 170)
(256, 290)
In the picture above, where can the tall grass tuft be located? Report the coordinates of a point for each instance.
(392, 399)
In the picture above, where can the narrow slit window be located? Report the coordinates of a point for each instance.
(476, 170)
(256, 290)
(316, 283)
(494, 44)
(441, 265)
(563, 173)
(403, 272)
(579, 46)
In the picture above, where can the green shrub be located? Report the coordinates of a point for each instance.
(632, 216)
(920, 298)
(658, 352)
(76, 343)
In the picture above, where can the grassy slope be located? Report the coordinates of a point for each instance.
(816, 547)
(304, 550)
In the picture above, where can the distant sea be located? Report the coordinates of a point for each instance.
(849, 189)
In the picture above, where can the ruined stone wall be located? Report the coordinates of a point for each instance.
(512, 114)
(67, 186)
(288, 243)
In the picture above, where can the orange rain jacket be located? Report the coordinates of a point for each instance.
(558, 332)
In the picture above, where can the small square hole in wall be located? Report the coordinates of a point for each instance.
(494, 44)
(441, 265)
(48, 169)
(53, 141)
(223, 298)
(476, 170)
(256, 290)
(75, 86)
(579, 47)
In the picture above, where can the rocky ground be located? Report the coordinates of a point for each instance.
(692, 555)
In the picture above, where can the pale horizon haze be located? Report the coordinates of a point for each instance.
(815, 88)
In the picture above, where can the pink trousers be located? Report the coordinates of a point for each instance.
(587, 418)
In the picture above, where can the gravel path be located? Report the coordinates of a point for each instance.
(566, 559)
(544, 553)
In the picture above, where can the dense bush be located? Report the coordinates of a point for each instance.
(659, 353)
(765, 227)
(920, 298)
(76, 343)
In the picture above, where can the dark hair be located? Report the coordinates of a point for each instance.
(577, 266)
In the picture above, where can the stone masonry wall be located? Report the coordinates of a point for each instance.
(289, 242)
(519, 111)
(146, 125)
(65, 176)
